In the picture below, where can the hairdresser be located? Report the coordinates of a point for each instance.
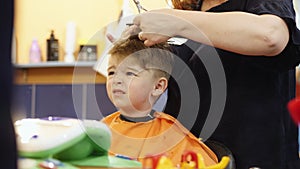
(258, 44)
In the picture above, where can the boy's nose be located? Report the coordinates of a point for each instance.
(117, 79)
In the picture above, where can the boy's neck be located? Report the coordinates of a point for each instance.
(133, 112)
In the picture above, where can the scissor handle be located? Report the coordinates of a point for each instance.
(139, 6)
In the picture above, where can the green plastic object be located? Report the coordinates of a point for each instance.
(107, 161)
(96, 141)
(50, 152)
(42, 138)
(74, 142)
(80, 150)
(30, 163)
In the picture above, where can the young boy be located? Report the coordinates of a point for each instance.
(137, 76)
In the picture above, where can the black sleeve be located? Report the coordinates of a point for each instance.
(282, 8)
(290, 57)
(7, 141)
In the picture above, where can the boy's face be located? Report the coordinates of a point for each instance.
(129, 86)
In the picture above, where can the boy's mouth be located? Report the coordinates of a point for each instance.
(118, 91)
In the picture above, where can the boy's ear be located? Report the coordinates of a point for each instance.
(160, 86)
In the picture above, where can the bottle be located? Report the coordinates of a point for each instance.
(35, 52)
(70, 42)
(52, 48)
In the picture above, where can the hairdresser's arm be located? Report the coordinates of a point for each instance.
(238, 32)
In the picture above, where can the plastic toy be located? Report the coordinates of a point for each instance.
(190, 160)
(158, 162)
(67, 141)
(197, 162)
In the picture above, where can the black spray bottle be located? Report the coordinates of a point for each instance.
(52, 48)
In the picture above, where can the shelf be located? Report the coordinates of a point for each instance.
(56, 64)
(54, 72)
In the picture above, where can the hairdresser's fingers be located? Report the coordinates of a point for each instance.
(110, 37)
(148, 43)
(134, 30)
(140, 35)
(152, 38)
(129, 31)
(137, 20)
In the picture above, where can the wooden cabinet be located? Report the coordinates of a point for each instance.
(56, 73)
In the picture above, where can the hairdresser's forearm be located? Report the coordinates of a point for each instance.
(239, 32)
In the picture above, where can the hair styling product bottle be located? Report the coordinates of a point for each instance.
(35, 52)
(52, 48)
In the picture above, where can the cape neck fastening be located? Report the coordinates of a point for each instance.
(149, 117)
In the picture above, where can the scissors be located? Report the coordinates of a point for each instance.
(139, 6)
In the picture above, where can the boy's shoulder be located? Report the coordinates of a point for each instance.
(111, 117)
(171, 120)
(162, 115)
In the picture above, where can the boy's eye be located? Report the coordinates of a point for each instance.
(131, 74)
(110, 73)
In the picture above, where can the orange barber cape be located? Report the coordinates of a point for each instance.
(162, 135)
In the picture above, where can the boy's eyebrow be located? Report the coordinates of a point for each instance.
(134, 69)
(128, 68)
(110, 67)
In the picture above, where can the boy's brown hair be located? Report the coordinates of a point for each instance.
(157, 57)
(185, 4)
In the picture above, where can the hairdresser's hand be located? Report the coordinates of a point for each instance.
(110, 37)
(130, 30)
(157, 26)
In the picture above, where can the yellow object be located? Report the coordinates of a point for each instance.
(189, 162)
(221, 165)
(201, 163)
(165, 163)
(186, 165)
